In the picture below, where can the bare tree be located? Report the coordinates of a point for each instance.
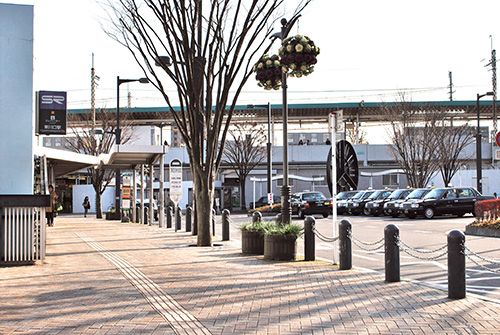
(208, 49)
(244, 150)
(85, 141)
(361, 137)
(414, 144)
(451, 141)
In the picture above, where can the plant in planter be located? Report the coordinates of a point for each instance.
(280, 241)
(252, 237)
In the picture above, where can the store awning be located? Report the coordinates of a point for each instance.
(129, 156)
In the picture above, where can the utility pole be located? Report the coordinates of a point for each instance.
(451, 85)
(493, 64)
(92, 94)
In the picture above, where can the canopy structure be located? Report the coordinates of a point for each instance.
(64, 162)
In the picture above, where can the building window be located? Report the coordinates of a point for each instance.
(390, 179)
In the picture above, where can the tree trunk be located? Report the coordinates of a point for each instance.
(242, 194)
(98, 205)
(204, 196)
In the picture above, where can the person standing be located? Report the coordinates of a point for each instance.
(50, 210)
(86, 206)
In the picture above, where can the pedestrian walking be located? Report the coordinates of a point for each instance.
(51, 210)
(86, 206)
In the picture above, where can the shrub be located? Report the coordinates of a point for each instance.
(487, 210)
(258, 226)
(293, 229)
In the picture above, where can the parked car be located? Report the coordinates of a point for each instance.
(375, 203)
(342, 199)
(309, 203)
(356, 204)
(453, 200)
(416, 195)
(264, 201)
(392, 203)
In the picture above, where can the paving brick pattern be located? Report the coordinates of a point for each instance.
(79, 291)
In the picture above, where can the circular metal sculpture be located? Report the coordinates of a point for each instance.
(347, 167)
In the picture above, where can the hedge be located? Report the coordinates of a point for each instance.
(487, 210)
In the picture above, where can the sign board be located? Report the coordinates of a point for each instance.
(497, 138)
(126, 191)
(175, 172)
(270, 199)
(497, 154)
(336, 119)
(51, 113)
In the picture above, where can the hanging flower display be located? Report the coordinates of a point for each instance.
(268, 72)
(298, 55)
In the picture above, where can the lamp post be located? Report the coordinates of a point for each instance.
(479, 171)
(286, 209)
(118, 214)
(269, 145)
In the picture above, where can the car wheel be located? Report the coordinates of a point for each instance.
(366, 211)
(325, 215)
(301, 214)
(429, 213)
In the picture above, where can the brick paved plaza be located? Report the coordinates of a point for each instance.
(106, 277)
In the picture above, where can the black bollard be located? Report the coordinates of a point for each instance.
(391, 236)
(213, 221)
(189, 217)
(225, 225)
(345, 245)
(169, 217)
(256, 217)
(178, 215)
(278, 218)
(456, 265)
(195, 222)
(309, 239)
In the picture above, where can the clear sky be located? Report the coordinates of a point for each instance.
(370, 50)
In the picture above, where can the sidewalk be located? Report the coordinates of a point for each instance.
(106, 277)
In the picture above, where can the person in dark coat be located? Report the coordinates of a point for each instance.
(86, 206)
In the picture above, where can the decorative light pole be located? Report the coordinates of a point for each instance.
(479, 171)
(118, 214)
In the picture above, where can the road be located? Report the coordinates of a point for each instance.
(420, 234)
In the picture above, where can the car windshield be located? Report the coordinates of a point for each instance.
(375, 195)
(416, 194)
(367, 194)
(314, 196)
(396, 194)
(435, 194)
(358, 195)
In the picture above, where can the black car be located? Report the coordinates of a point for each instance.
(309, 203)
(416, 195)
(342, 199)
(452, 200)
(356, 204)
(264, 201)
(392, 203)
(375, 204)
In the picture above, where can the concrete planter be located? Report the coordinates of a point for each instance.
(482, 231)
(252, 242)
(280, 247)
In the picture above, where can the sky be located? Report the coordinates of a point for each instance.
(370, 50)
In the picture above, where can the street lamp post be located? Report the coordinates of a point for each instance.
(479, 171)
(118, 214)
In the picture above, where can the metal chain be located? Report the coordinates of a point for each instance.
(323, 237)
(357, 242)
(481, 257)
(363, 242)
(481, 265)
(421, 250)
(424, 258)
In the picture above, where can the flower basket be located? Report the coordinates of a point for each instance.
(298, 56)
(268, 72)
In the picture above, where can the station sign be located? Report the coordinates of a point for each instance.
(51, 112)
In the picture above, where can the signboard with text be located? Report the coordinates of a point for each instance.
(51, 113)
(175, 172)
